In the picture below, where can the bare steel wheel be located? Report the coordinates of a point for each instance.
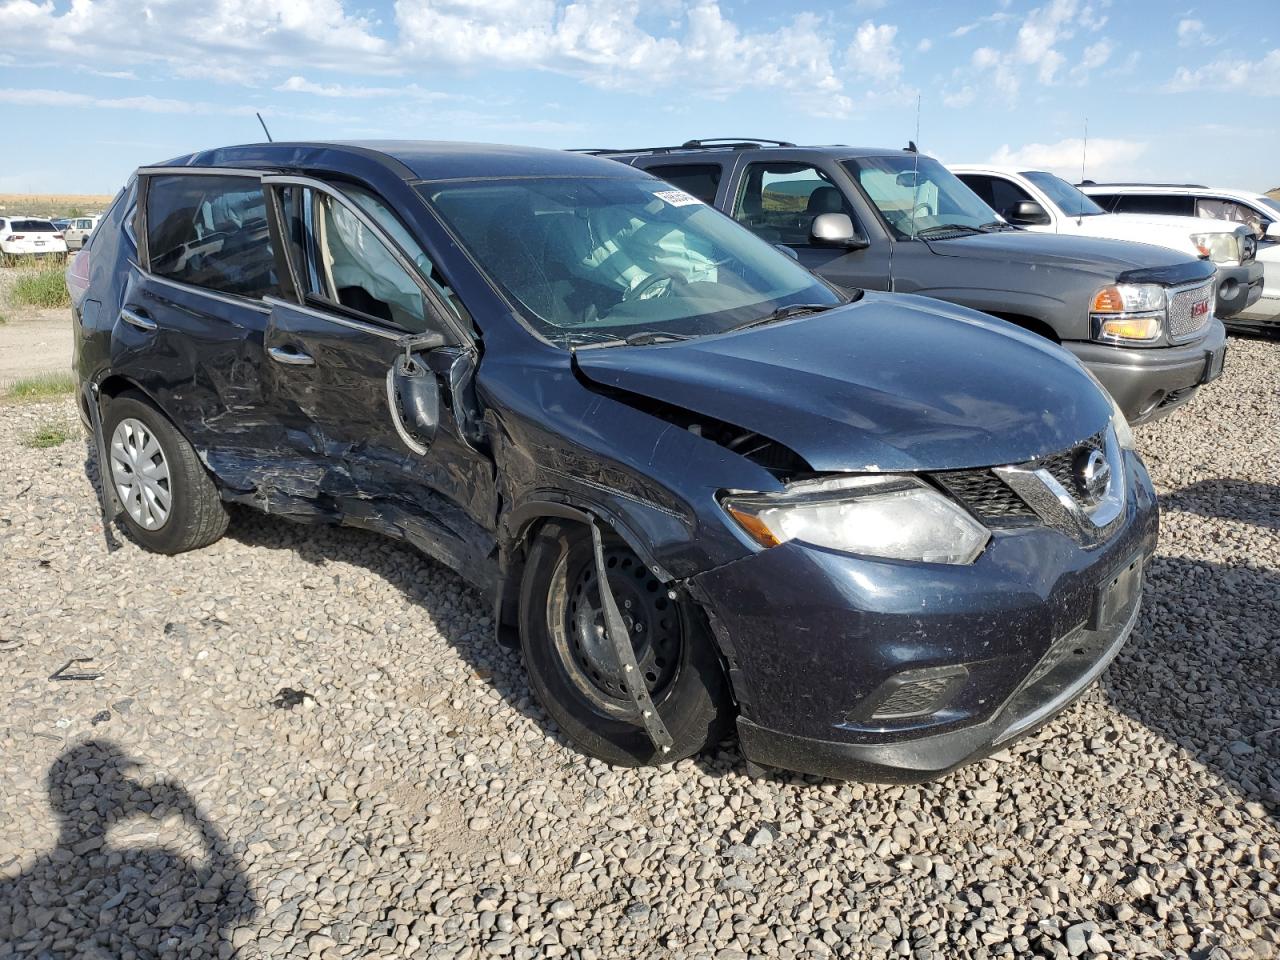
(572, 668)
(575, 619)
(141, 474)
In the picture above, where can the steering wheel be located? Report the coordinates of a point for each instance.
(654, 286)
(923, 209)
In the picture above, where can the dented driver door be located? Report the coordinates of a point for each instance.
(371, 378)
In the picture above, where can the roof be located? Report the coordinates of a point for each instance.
(767, 148)
(1190, 189)
(410, 159)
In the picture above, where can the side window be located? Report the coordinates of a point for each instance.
(1217, 208)
(1170, 204)
(700, 180)
(778, 201)
(980, 184)
(1005, 194)
(344, 264)
(211, 232)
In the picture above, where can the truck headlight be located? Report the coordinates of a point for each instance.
(1128, 312)
(891, 516)
(1218, 247)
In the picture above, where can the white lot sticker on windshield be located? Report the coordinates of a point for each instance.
(677, 198)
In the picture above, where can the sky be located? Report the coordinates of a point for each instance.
(91, 89)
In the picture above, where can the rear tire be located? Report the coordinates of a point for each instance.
(559, 608)
(171, 503)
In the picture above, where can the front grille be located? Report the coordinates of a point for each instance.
(1061, 466)
(1183, 324)
(986, 495)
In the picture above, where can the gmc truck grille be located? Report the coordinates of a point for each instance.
(1190, 311)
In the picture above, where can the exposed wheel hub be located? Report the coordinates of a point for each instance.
(652, 619)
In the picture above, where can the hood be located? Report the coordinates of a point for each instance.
(1150, 227)
(889, 383)
(1107, 258)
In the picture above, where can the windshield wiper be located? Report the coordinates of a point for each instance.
(640, 339)
(997, 225)
(947, 228)
(790, 310)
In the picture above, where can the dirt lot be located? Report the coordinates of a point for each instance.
(32, 341)
(303, 742)
(53, 204)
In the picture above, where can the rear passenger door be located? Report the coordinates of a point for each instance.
(189, 326)
(369, 332)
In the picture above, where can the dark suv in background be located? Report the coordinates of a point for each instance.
(1139, 317)
(882, 533)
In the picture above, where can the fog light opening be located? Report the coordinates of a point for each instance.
(911, 694)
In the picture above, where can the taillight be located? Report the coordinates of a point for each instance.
(57, 236)
(78, 275)
(15, 236)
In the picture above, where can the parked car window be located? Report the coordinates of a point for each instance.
(702, 180)
(778, 201)
(211, 232)
(33, 226)
(1216, 208)
(916, 195)
(600, 259)
(996, 192)
(1155, 203)
(346, 265)
(1068, 199)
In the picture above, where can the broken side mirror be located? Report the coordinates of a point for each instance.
(1027, 213)
(836, 230)
(413, 393)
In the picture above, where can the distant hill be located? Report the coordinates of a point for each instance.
(53, 204)
(1274, 192)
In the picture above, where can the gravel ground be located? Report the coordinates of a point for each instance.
(304, 743)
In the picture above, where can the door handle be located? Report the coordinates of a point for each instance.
(136, 318)
(291, 355)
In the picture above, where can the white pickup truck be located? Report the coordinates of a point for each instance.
(1040, 201)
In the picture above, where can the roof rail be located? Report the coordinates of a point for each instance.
(710, 143)
(1138, 183)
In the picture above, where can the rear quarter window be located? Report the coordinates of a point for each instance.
(700, 180)
(211, 232)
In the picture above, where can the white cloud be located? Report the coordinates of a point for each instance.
(924, 46)
(968, 28)
(232, 39)
(873, 53)
(1261, 77)
(1191, 33)
(1106, 157)
(297, 84)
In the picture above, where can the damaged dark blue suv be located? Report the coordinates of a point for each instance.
(883, 534)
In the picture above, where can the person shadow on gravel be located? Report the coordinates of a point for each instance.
(91, 898)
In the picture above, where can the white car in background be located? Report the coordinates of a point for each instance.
(1045, 203)
(30, 237)
(1257, 211)
(77, 231)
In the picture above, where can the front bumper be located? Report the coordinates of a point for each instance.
(1149, 383)
(812, 637)
(1239, 287)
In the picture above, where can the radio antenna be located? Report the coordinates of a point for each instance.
(1084, 149)
(915, 171)
(264, 126)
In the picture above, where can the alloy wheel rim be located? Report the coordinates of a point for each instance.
(140, 472)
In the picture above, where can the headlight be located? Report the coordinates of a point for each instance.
(895, 517)
(1128, 311)
(1124, 433)
(1218, 247)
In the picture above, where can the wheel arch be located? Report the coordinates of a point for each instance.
(525, 522)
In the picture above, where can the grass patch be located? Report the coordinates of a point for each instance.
(51, 434)
(44, 286)
(43, 387)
